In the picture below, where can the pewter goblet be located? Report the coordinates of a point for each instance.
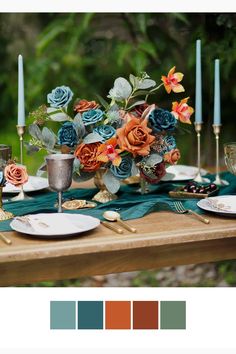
(230, 157)
(59, 167)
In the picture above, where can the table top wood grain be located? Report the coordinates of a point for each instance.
(162, 239)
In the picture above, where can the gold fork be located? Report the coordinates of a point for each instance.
(181, 210)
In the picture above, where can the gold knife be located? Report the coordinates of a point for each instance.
(5, 239)
(112, 227)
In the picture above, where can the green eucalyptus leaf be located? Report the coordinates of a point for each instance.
(137, 104)
(31, 149)
(134, 169)
(153, 159)
(146, 84)
(76, 165)
(103, 102)
(111, 183)
(48, 138)
(35, 131)
(141, 93)
(121, 90)
(57, 115)
(42, 169)
(92, 138)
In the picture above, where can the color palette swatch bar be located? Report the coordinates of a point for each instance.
(117, 315)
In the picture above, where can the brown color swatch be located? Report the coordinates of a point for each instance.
(118, 315)
(145, 315)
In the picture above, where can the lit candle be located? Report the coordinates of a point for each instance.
(217, 113)
(21, 99)
(198, 97)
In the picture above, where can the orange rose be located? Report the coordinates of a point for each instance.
(134, 137)
(172, 156)
(16, 175)
(84, 106)
(87, 154)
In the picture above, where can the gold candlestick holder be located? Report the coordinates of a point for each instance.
(218, 181)
(4, 215)
(21, 131)
(199, 178)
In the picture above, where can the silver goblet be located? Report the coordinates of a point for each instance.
(59, 168)
(230, 157)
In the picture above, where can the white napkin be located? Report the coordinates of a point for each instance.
(52, 224)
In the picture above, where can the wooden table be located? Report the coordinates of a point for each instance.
(163, 239)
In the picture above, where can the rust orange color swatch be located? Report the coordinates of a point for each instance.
(145, 315)
(118, 315)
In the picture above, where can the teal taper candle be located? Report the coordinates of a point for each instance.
(198, 92)
(217, 113)
(21, 98)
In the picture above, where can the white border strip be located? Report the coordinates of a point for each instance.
(117, 6)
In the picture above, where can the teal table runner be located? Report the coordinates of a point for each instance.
(130, 203)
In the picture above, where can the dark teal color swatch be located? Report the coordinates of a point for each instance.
(62, 314)
(173, 315)
(90, 315)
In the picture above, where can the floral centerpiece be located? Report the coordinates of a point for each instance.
(121, 138)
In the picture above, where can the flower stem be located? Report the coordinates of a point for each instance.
(143, 185)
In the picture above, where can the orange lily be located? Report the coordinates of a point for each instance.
(108, 152)
(182, 110)
(171, 81)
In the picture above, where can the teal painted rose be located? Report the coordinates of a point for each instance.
(92, 116)
(105, 131)
(67, 135)
(60, 97)
(161, 120)
(124, 169)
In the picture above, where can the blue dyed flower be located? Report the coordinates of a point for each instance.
(170, 143)
(161, 120)
(67, 135)
(124, 169)
(60, 97)
(92, 116)
(106, 131)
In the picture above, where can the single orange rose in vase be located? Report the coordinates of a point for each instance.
(16, 174)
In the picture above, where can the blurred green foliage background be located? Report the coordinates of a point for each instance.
(88, 51)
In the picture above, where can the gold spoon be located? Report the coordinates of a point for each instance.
(114, 216)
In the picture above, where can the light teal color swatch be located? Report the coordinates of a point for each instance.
(62, 314)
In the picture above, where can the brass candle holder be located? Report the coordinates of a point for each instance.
(218, 181)
(4, 215)
(21, 132)
(199, 178)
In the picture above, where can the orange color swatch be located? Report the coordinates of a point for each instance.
(118, 315)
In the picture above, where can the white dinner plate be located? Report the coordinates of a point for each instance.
(222, 205)
(181, 173)
(54, 224)
(34, 184)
